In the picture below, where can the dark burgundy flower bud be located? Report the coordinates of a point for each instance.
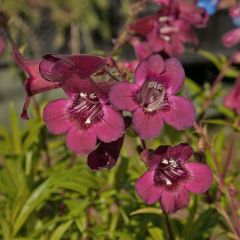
(106, 155)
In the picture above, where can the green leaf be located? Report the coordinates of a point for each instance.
(219, 142)
(15, 130)
(32, 134)
(218, 122)
(231, 72)
(60, 230)
(202, 227)
(190, 219)
(147, 210)
(6, 230)
(37, 197)
(121, 173)
(226, 111)
(81, 223)
(211, 57)
(156, 233)
(192, 86)
(28, 163)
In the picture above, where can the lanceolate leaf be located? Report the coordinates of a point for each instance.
(148, 210)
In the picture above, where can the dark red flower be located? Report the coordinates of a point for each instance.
(170, 178)
(151, 99)
(34, 83)
(169, 29)
(72, 73)
(105, 155)
(232, 37)
(85, 117)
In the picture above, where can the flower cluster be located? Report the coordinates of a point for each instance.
(93, 117)
(168, 29)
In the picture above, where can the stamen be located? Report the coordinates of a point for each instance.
(88, 120)
(85, 110)
(163, 19)
(152, 96)
(165, 38)
(168, 182)
(169, 172)
(166, 30)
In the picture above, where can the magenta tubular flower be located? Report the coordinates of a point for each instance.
(234, 11)
(231, 38)
(232, 100)
(85, 117)
(168, 29)
(34, 83)
(151, 98)
(142, 50)
(236, 57)
(170, 179)
(107, 154)
(73, 72)
(194, 15)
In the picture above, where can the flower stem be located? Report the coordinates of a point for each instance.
(229, 154)
(214, 89)
(169, 227)
(135, 8)
(143, 144)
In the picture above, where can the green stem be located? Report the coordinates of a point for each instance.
(169, 227)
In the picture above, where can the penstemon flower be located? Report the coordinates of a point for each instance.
(54, 71)
(152, 100)
(169, 29)
(74, 72)
(232, 37)
(170, 179)
(85, 117)
(34, 84)
(105, 155)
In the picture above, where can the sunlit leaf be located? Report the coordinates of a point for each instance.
(148, 210)
(60, 230)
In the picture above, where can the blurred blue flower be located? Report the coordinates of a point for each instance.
(236, 21)
(209, 5)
